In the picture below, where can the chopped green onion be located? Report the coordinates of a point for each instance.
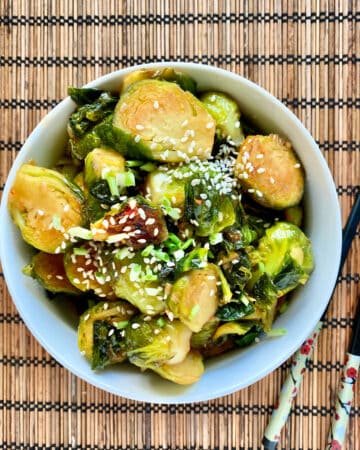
(147, 250)
(174, 213)
(149, 275)
(161, 322)
(134, 163)
(284, 307)
(121, 325)
(135, 270)
(122, 253)
(215, 238)
(194, 311)
(148, 167)
(80, 251)
(187, 244)
(160, 255)
(56, 222)
(276, 332)
(113, 186)
(80, 232)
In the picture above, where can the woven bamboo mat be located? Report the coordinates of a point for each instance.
(305, 53)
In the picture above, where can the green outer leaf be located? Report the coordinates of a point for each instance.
(249, 337)
(83, 96)
(234, 311)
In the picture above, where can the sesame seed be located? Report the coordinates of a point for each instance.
(209, 125)
(259, 193)
(237, 124)
(111, 332)
(297, 165)
(272, 181)
(212, 293)
(82, 352)
(261, 170)
(153, 146)
(156, 104)
(156, 231)
(139, 127)
(105, 223)
(134, 326)
(156, 331)
(86, 317)
(212, 98)
(106, 306)
(66, 208)
(251, 191)
(184, 138)
(259, 156)
(123, 269)
(142, 213)
(132, 203)
(137, 138)
(40, 212)
(184, 123)
(150, 221)
(59, 277)
(142, 241)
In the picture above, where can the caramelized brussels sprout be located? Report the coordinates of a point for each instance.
(227, 115)
(45, 205)
(166, 74)
(49, 270)
(188, 371)
(194, 297)
(170, 123)
(162, 184)
(90, 267)
(134, 223)
(101, 330)
(152, 343)
(270, 172)
(138, 283)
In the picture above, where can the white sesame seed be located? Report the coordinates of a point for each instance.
(259, 193)
(237, 124)
(40, 212)
(156, 104)
(142, 241)
(272, 181)
(212, 293)
(66, 208)
(123, 269)
(134, 326)
(153, 146)
(297, 165)
(59, 277)
(251, 191)
(156, 331)
(156, 231)
(209, 125)
(132, 203)
(137, 138)
(106, 306)
(111, 332)
(139, 127)
(184, 123)
(259, 156)
(142, 213)
(260, 170)
(150, 221)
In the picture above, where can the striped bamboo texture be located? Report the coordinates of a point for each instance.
(305, 53)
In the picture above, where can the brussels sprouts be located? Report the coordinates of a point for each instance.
(49, 270)
(90, 267)
(194, 297)
(135, 223)
(167, 74)
(207, 209)
(150, 344)
(45, 205)
(172, 124)
(270, 172)
(161, 184)
(188, 371)
(100, 333)
(138, 283)
(101, 163)
(282, 261)
(294, 215)
(227, 115)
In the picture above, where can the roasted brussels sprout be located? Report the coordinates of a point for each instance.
(270, 172)
(194, 297)
(227, 115)
(134, 223)
(161, 185)
(101, 333)
(45, 205)
(90, 267)
(166, 74)
(49, 270)
(138, 283)
(282, 261)
(102, 163)
(152, 343)
(188, 371)
(172, 124)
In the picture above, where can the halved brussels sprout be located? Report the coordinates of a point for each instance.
(101, 332)
(194, 297)
(49, 270)
(135, 223)
(102, 162)
(45, 205)
(152, 343)
(167, 74)
(270, 172)
(137, 283)
(90, 267)
(161, 184)
(172, 124)
(188, 371)
(227, 115)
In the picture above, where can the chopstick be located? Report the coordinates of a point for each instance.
(346, 389)
(293, 380)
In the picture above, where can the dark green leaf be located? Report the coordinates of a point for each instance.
(249, 337)
(83, 96)
(288, 277)
(106, 349)
(234, 311)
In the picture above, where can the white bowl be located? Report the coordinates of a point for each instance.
(55, 328)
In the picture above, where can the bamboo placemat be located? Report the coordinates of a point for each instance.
(305, 53)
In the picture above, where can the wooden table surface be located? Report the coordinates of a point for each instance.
(305, 53)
